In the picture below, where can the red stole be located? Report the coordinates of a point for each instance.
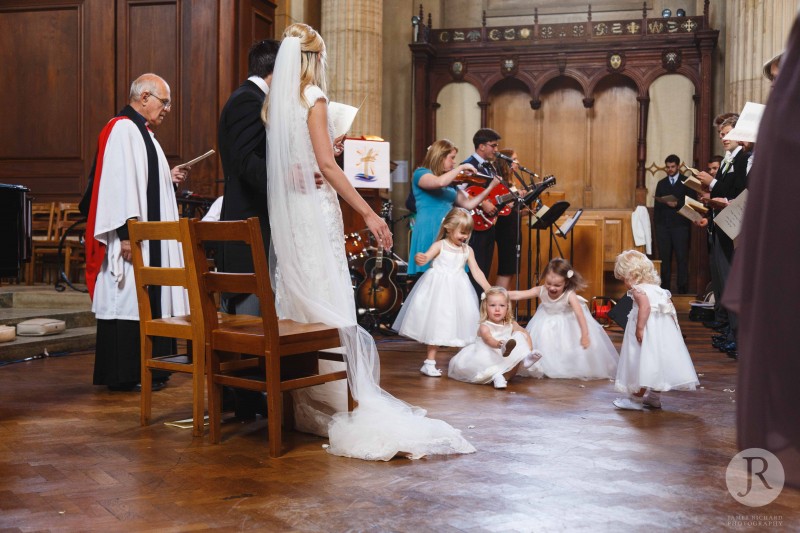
(95, 250)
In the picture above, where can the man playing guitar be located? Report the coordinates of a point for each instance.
(485, 141)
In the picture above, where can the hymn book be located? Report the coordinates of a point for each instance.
(666, 199)
(692, 209)
(196, 159)
(694, 184)
(342, 117)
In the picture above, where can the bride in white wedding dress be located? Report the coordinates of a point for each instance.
(308, 262)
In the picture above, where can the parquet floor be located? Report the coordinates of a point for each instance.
(553, 455)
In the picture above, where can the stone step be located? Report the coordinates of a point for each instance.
(45, 299)
(71, 340)
(74, 318)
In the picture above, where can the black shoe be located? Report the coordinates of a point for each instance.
(728, 347)
(718, 337)
(734, 354)
(715, 325)
(157, 385)
(718, 344)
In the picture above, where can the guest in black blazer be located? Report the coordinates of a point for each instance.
(729, 182)
(242, 147)
(672, 230)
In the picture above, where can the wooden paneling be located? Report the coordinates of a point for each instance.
(613, 124)
(199, 116)
(149, 40)
(511, 115)
(588, 255)
(69, 66)
(561, 138)
(256, 22)
(47, 74)
(59, 71)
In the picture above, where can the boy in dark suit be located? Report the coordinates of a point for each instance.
(672, 229)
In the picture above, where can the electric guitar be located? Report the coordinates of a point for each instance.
(377, 292)
(504, 202)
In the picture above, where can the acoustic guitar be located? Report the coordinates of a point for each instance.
(377, 292)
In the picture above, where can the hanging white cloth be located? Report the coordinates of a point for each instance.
(312, 283)
(640, 224)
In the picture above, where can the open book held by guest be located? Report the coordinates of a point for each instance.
(692, 209)
(692, 182)
(668, 199)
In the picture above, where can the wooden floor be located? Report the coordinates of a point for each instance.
(553, 455)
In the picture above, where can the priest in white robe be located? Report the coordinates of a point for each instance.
(131, 180)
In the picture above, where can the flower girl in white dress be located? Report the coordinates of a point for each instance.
(654, 356)
(502, 345)
(442, 308)
(575, 346)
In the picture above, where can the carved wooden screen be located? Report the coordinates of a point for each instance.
(573, 100)
(608, 62)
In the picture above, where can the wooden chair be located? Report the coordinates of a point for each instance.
(44, 232)
(288, 352)
(181, 327)
(71, 220)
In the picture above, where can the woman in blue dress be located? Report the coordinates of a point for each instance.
(435, 195)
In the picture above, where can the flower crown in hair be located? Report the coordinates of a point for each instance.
(570, 273)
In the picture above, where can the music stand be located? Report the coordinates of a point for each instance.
(545, 222)
(564, 230)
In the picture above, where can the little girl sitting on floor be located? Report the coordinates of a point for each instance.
(501, 347)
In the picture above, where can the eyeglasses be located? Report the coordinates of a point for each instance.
(493, 145)
(167, 103)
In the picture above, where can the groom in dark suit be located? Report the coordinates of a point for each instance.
(242, 145)
(672, 229)
(242, 142)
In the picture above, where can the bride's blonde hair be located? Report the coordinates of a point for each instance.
(313, 62)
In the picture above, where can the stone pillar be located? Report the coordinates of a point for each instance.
(353, 34)
(756, 31)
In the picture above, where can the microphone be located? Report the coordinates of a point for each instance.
(511, 160)
(504, 157)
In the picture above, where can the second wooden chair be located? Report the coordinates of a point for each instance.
(288, 352)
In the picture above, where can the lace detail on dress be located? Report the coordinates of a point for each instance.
(325, 200)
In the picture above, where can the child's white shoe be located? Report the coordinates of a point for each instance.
(499, 381)
(531, 358)
(652, 399)
(628, 403)
(430, 370)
